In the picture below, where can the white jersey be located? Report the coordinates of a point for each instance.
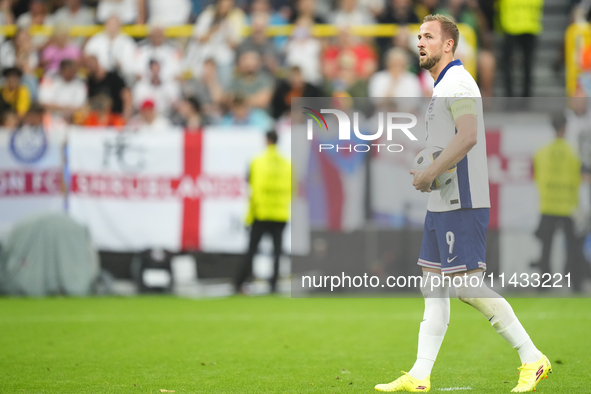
(469, 188)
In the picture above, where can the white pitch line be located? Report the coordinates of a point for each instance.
(455, 388)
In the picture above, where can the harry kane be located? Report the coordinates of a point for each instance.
(454, 237)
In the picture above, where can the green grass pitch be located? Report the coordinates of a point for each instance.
(272, 345)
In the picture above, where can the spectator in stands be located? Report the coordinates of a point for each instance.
(578, 129)
(304, 51)
(62, 93)
(350, 53)
(251, 82)
(260, 43)
(13, 93)
(207, 89)
(113, 49)
(241, 114)
(100, 114)
(60, 48)
(10, 119)
(373, 7)
(166, 13)
(350, 14)
(217, 32)
(6, 15)
(306, 10)
(189, 115)
(425, 7)
(35, 116)
(73, 13)
(20, 52)
(396, 80)
(275, 18)
(163, 93)
(126, 10)
(346, 82)
(149, 120)
(109, 83)
(37, 15)
(399, 12)
(155, 47)
(521, 25)
(293, 86)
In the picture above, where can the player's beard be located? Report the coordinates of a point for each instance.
(428, 62)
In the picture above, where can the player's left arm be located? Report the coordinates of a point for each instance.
(464, 113)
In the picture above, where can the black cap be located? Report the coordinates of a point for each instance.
(12, 71)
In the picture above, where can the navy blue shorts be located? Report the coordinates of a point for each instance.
(455, 241)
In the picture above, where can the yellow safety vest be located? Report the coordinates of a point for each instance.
(270, 185)
(521, 16)
(557, 172)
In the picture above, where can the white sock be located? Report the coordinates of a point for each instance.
(433, 327)
(500, 315)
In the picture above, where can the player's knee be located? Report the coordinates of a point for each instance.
(463, 295)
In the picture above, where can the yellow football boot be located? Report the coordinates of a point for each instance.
(406, 383)
(531, 374)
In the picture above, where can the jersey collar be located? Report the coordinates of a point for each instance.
(456, 62)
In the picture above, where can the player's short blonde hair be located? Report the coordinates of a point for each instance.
(448, 28)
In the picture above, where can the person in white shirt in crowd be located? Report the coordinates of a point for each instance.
(163, 93)
(396, 80)
(156, 47)
(63, 93)
(259, 42)
(60, 47)
(6, 14)
(113, 49)
(73, 13)
(217, 34)
(374, 7)
(20, 52)
(349, 13)
(126, 10)
(304, 51)
(207, 90)
(167, 13)
(38, 14)
(149, 120)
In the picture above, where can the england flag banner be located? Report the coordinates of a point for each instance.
(174, 190)
(30, 174)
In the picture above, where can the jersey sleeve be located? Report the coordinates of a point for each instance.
(458, 89)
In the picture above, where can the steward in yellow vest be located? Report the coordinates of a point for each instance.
(269, 208)
(557, 173)
(521, 21)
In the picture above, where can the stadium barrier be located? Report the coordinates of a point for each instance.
(381, 30)
(136, 190)
(187, 191)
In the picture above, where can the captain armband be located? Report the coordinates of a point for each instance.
(461, 107)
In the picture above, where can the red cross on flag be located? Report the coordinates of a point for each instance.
(174, 190)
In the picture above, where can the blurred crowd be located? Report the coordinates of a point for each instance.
(218, 75)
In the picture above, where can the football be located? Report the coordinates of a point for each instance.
(425, 157)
